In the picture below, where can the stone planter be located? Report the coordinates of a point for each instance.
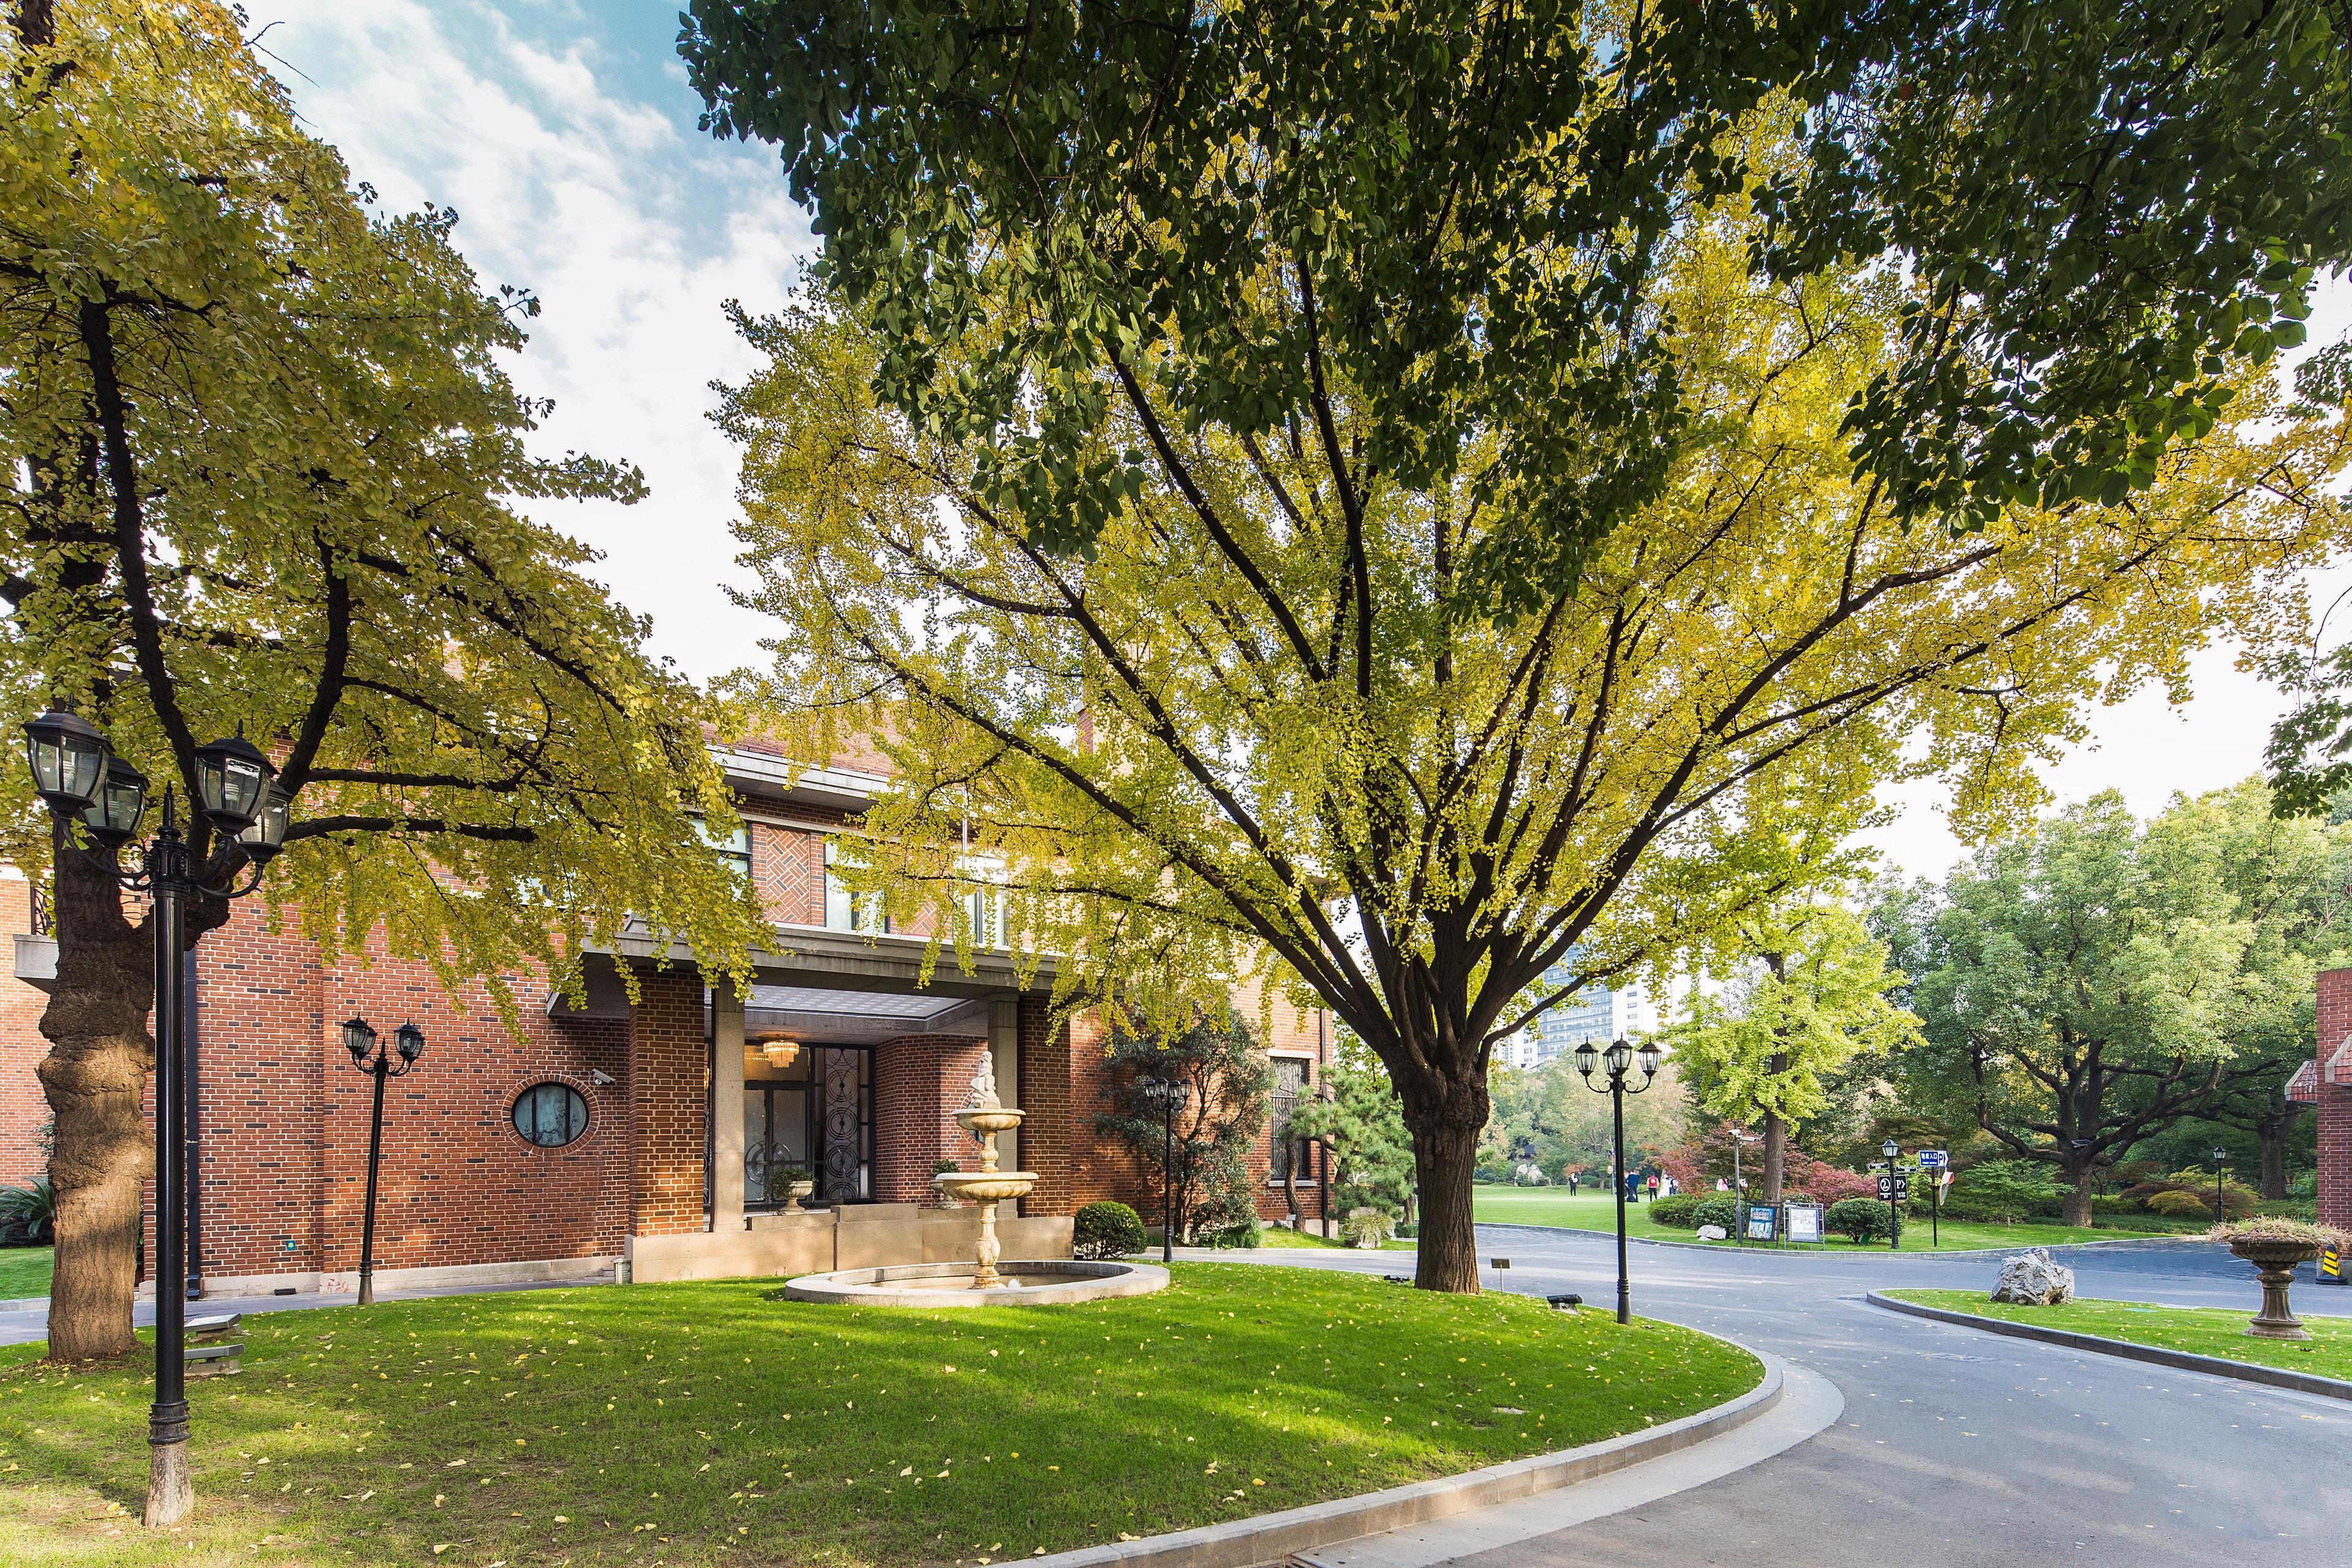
(793, 1193)
(2274, 1262)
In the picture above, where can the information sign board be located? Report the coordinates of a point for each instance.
(1762, 1222)
(1933, 1159)
(1805, 1223)
(1898, 1187)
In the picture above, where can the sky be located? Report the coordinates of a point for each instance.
(562, 133)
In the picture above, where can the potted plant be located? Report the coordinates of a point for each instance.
(789, 1184)
(2274, 1246)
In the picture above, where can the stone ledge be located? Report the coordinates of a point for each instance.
(2179, 1361)
(1272, 1538)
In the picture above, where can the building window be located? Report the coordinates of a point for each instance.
(550, 1115)
(1289, 1153)
(735, 847)
(845, 910)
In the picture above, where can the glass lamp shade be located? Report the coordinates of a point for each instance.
(1891, 1149)
(359, 1038)
(231, 780)
(113, 817)
(1587, 1058)
(409, 1041)
(266, 837)
(69, 760)
(1651, 1056)
(1619, 1056)
(2220, 1155)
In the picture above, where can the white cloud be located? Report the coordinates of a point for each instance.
(630, 225)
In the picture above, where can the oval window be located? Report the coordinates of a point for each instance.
(550, 1114)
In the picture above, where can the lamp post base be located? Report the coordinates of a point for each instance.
(170, 1488)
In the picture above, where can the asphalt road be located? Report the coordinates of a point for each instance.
(1957, 1447)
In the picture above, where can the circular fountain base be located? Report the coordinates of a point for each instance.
(1037, 1282)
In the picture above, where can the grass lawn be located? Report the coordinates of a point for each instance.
(2200, 1331)
(1595, 1210)
(24, 1271)
(1272, 1236)
(703, 1423)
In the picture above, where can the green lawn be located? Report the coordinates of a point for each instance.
(24, 1271)
(1594, 1210)
(704, 1423)
(2200, 1331)
(1274, 1236)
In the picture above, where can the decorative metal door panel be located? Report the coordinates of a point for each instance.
(844, 1176)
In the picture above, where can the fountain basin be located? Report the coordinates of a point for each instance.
(986, 1186)
(1038, 1282)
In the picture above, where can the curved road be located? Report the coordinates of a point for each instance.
(1956, 1447)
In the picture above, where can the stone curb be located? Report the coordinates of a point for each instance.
(1275, 1537)
(1826, 1249)
(2179, 1361)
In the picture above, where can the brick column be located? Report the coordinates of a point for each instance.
(2334, 1106)
(726, 1109)
(667, 1058)
(1052, 1141)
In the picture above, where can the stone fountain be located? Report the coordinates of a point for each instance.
(1035, 1282)
(985, 1116)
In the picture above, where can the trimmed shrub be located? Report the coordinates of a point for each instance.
(1366, 1227)
(1677, 1210)
(2184, 1203)
(1242, 1233)
(1106, 1230)
(1859, 1219)
(1722, 1209)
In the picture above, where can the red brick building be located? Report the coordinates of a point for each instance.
(2325, 1084)
(620, 1132)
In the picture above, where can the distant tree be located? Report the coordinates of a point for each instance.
(1813, 996)
(1203, 1144)
(1549, 1115)
(2088, 987)
(1357, 1117)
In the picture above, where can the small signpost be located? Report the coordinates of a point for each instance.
(1896, 1188)
(1933, 1159)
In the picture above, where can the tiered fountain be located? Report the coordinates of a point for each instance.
(978, 1282)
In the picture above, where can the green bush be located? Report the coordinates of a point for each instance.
(2117, 1203)
(2003, 1191)
(1677, 1210)
(1106, 1230)
(1240, 1233)
(2304, 1209)
(1721, 1210)
(28, 1213)
(1860, 1219)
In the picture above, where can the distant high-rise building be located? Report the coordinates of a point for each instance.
(1598, 1013)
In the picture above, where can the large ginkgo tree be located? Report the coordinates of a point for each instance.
(1426, 492)
(263, 468)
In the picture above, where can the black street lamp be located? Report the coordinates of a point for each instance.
(1168, 1093)
(98, 797)
(2221, 1208)
(370, 1054)
(1620, 1056)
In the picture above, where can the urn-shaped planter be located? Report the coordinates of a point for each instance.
(2275, 1260)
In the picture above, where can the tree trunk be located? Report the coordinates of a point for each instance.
(1443, 1157)
(2273, 1133)
(2077, 1201)
(95, 1078)
(1776, 1154)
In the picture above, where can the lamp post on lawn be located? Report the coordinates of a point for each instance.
(1168, 1093)
(2221, 1209)
(371, 1057)
(1739, 1183)
(97, 800)
(1620, 1056)
(1893, 1219)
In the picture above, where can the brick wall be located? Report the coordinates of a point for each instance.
(1050, 1145)
(669, 1095)
(919, 1083)
(788, 868)
(2335, 1107)
(23, 1112)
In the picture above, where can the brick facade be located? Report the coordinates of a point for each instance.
(283, 1117)
(2333, 1092)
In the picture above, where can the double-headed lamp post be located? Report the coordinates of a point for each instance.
(1620, 1056)
(98, 800)
(1169, 1094)
(371, 1056)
